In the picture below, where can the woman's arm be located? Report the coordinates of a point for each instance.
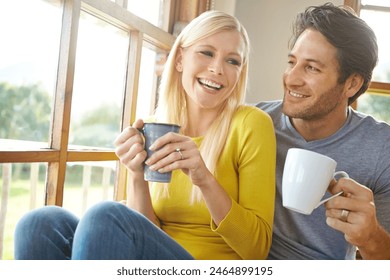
(131, 153)
(248, 226)
(244, 222)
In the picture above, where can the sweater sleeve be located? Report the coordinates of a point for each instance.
(247, 228)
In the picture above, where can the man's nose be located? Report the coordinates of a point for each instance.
(293, 76)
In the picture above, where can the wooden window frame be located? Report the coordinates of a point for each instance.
(58, 153)
(142, 33)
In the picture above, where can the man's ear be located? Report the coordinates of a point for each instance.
(178, 60)
(353, 84)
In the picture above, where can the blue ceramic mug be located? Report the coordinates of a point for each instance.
(151, 132)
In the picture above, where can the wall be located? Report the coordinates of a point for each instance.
(228, 6)
(268, 23)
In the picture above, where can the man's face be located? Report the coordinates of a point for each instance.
(311, 90)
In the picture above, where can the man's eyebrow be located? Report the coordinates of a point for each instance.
(290, 55)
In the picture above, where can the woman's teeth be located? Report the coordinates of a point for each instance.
(210, 84)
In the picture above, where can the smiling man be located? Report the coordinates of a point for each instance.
(330, 63)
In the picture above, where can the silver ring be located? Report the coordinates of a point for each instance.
(344, 215)
(179, 151)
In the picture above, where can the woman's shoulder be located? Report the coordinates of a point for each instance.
(251, 113)
(250, 121)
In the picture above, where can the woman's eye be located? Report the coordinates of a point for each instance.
(207, 53)
(234, 62)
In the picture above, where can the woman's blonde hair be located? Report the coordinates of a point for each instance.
(171, 106)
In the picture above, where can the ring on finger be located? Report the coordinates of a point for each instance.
(179, 151)
(344, 215)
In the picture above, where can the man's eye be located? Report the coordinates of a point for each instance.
(313, 69)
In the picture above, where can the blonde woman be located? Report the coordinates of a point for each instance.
(220, 202)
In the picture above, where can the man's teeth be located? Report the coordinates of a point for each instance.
(210, 84)
(297, 95)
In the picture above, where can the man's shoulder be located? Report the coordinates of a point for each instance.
(370, 123)
(267, 105)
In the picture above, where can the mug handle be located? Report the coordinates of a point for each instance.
(342, 174)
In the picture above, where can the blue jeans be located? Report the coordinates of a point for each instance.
(108, 231)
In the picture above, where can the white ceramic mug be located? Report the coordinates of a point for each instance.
(306, 178)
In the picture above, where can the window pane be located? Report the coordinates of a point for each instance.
(88, 183)
(151, 67)
(99, 82)
(28, 67)
(146, 9)
(384, 3)
(22, 188)
(376, 105)
(379, 22)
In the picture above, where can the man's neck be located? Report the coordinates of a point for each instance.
(317, 129)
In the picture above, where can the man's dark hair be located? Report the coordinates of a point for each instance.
(355, 41)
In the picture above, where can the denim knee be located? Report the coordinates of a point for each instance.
(45, 233)
(36, 220)
(105, 213)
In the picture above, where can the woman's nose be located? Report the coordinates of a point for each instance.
(216, 67)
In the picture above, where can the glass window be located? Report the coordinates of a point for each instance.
(29, 54)
(383, 3)
(99, 81)
(379, 22)
(377, 14)
(88, 183)
(22, 188)
(28, 67)
(376, 105)
(146, 9)
(152, 63)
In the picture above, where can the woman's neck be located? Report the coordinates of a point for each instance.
(199, 121)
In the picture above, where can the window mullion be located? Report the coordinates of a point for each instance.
(354, 4)
(122, 3)
(129, 101)
(59, 133)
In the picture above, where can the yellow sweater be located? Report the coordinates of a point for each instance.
(246, 170)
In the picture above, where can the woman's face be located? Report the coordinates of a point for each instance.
(211, 69)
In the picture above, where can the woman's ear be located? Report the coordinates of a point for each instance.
(353, 84)
(178, 60)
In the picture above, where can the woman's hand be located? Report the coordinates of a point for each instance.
(130, 148)
(166, 157)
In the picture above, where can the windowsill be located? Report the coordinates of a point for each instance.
(24, 145)
(29, 151)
